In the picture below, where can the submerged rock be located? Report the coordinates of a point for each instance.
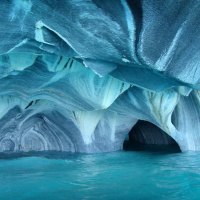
(77, 75)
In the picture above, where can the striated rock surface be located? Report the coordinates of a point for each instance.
(77, 75)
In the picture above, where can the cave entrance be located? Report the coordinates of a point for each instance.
(145, 136)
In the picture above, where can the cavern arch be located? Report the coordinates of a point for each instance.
(76, 77)
(145, 136)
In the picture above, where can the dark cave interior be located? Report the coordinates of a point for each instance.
(145, 136)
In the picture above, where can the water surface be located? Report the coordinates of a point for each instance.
(119, 175)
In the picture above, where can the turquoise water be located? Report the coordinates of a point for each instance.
(119, 175)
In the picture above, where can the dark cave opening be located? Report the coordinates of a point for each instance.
(145, 136)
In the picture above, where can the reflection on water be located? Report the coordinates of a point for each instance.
(119, 175)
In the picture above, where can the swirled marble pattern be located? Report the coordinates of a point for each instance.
(77, 75)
